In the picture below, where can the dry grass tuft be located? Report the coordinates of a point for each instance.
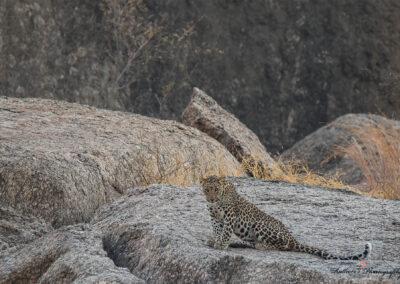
(159, 165)
(376, 150)
(294, 171)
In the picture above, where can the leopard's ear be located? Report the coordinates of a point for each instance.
(203, 179)
(222, 178)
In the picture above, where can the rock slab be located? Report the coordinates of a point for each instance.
(72, 254)
(160, 233)
(204, 113)
(17, 229)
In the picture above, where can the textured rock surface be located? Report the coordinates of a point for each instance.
(160, 232)
(321, 144)
(17, 229)
(70, 254)
(61, 161)
(206, 115)
(283, 67)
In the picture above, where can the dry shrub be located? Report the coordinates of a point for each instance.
(134, 38)
(293, 171)
(376, 150)
(257, 167)
(124, 21)
(155, 166)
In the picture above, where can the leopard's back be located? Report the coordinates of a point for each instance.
(252, 225)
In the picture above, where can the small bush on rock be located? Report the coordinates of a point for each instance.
(376, 150)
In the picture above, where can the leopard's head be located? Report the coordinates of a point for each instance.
(213, 187)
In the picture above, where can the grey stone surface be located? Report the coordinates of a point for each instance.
(72, 254)
(204, 113)
(160, 233)
(317, 148)
(17, 229)
(283, 67)
(61, 161)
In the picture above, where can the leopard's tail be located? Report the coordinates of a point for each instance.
(326, 255)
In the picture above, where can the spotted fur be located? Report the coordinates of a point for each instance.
(231, 213)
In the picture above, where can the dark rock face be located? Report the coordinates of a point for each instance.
(283, 68)
(317, 149)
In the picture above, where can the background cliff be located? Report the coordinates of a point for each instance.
(284, 68)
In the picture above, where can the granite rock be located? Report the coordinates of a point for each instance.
(320, 150)
(160, 234)
(61, 161)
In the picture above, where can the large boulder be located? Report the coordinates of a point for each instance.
(281, 67)
(160, 234)
(70, 254)
(61, 161)
(323, 152)
(205, 114)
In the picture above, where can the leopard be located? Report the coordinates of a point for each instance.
(231, 213)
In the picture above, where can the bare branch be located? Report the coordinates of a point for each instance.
(128, 64)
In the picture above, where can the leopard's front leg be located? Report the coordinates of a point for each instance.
(216, 224)
(217, 228)
(223, 241)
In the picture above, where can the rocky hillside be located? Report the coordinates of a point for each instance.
(72, 209)
(284, 68)
(158, 234)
